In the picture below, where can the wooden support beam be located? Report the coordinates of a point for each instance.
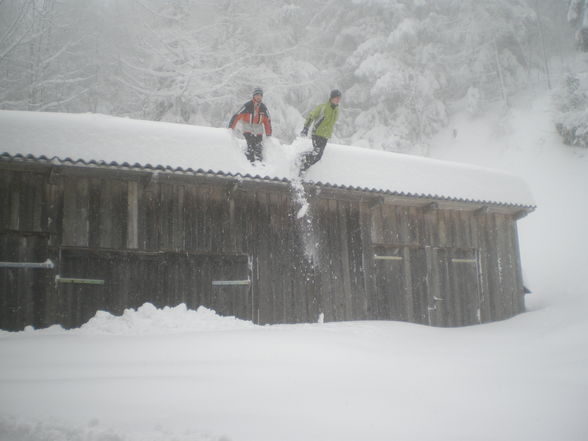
(483, 210)
(376, 202)
(431, 206)
(520, 214)
(454, 260)
(74, 280)
(48, 264)
(232, 188)
(150, 179)
(376, 257)
(54, 175)
(231, 282)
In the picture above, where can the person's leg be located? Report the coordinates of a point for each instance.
(250, 154)
(310, 158)
(258, 148)
(319, 143)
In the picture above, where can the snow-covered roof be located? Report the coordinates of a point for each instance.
(94, 138)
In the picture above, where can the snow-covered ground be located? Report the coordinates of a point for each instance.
(138, 378)
(173, 374)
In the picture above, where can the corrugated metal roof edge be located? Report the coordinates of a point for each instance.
(179, 170)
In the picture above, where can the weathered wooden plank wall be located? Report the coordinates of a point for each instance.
(486, 286)
(23, 238)
(164, 238)
(20, 302)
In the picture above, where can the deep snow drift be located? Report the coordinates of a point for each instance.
(173, 374)
(130, 378)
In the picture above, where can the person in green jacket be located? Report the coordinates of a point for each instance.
(324, 117)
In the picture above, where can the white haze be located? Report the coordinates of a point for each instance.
(403, 65)
(174, 374)
(458, 80)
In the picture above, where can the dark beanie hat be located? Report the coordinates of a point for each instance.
(257, 91)
(335, 93)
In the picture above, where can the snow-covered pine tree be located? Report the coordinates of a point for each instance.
(416, 59)
(34, 57)
(571, 101)
(578, 18)
(404, 66)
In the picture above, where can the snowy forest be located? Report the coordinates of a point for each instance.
(404, 66)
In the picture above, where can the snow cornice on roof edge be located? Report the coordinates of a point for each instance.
(95, 140)
(148, 168)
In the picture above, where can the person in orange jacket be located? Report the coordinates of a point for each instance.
(254, 118)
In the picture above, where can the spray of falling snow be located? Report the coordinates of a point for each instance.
(303, 213)
(304, 221)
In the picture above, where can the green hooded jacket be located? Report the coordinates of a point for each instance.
(324, 117)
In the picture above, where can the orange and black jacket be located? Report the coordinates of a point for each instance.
(253, 118)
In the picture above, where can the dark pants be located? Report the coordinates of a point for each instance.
(254, 147)
(310, 158)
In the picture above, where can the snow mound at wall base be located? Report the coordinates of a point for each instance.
(148, 319)
(16, 429)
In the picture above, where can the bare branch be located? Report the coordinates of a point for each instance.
(12, 30)
(158, 14)
(62, 102)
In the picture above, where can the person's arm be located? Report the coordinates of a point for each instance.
(310, 118)
(236, 117)
(267, 123)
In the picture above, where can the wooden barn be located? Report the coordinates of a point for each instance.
(373, 236)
